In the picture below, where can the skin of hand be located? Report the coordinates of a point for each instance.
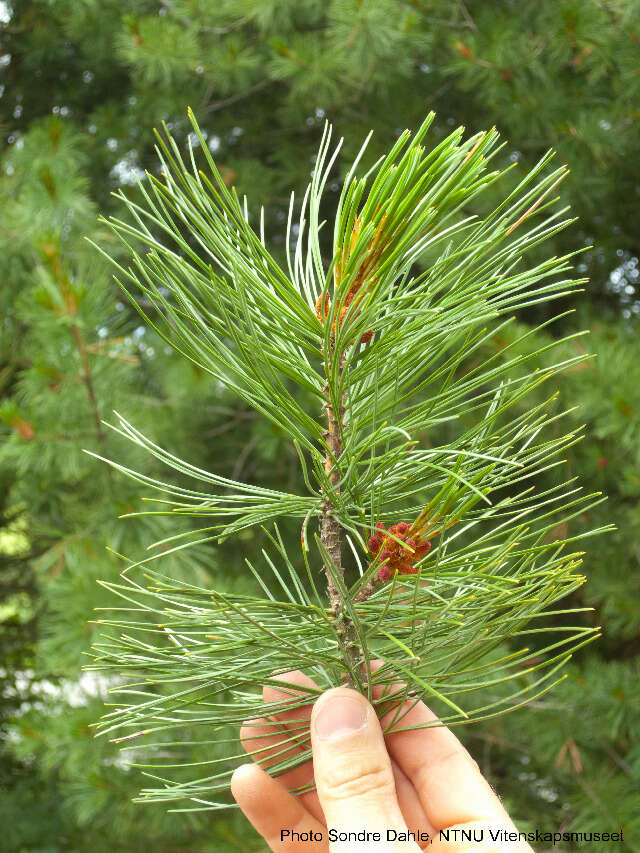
(421, 780)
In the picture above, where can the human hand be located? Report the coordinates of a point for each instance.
(421, 781)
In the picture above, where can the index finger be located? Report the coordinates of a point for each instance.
(451, 788)
(285, 734)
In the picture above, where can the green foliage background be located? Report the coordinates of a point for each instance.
(83, 83)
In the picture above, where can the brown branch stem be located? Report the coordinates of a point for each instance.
(369, 588)
(233, 99)
(93, 401)
(331, 531)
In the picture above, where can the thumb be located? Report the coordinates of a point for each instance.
(353, 774)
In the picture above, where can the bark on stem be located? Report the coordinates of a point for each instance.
(331, 531)
(367, 589)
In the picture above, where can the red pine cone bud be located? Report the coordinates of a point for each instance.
(366, 337)
(385, 573)
(398, 549)
(422, 550)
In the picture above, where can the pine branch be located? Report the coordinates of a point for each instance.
(394, 338)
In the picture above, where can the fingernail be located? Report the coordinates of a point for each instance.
(339, 716)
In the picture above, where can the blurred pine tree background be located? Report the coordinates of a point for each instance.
(82, 84)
